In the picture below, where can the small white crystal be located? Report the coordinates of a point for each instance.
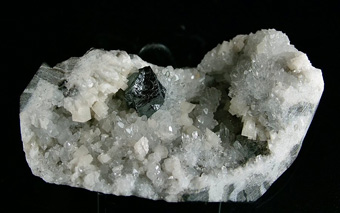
(212, 139)
(100, 109)
(227, 129)
(104, 158)
(141, 148)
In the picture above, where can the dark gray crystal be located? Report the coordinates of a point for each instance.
(67, 92)
(144, 93)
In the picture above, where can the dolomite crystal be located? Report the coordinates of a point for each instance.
(226, 131)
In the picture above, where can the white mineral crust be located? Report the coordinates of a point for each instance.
(226, 131)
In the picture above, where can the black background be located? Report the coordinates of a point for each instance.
(55, 31)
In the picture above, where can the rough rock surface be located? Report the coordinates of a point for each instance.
(226, 131)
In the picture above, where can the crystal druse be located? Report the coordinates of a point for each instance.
(224, 130)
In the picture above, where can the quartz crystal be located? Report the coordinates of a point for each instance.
(224, 130)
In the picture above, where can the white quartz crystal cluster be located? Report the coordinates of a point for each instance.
(227, 130)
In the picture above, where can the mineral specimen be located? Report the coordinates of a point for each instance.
(225, 130)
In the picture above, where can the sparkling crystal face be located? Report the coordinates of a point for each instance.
(145, 93)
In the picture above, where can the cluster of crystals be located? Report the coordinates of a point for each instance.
(225, 130)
